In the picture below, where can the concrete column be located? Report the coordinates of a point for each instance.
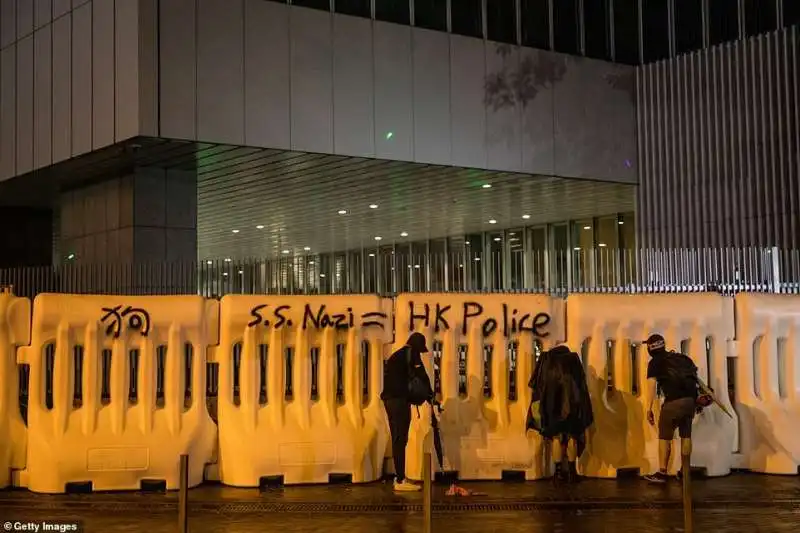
(148, 216)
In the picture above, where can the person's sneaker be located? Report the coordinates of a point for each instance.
(658, 477)
(406, 486)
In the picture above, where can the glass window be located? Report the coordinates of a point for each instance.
(627, 243)
(496, 261)
(607, 254)
(357, 8)
(559, 256)
(582, 251)
(565, 23)
(656, 27)
(537, 243)
(431, 14)
(595, 24)
(396, 11)
(688, 26)
(473, 246)
(723, 22)
(626, 31)
(456, 258)
(466, 19)
(535, 22)
(501, 24)
(516, 264)
(791, 13)
(324, 5)
(761, 16)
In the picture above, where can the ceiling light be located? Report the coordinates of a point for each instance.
(492, 221)
(487, 185)
(602, 245)
(404, 234)
(497, 239)
(526, 217)
(209, 262)
(378, 238)
(285, 251)
(620, 222)
(477, 259)
(225, 274)
(416, 266)
(235, 231)
(466, 243)
(577, 248)
(461, 266)
(259, 227)
(311, 262)
(241, 272)
(227, 259)
(373, 206)
(307, 248)
(322, 275)
(587, 227)
(342, 212)
(372, 255)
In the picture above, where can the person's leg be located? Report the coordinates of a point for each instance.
(557, 450)
(685, 432)
(399, 414)
(572, 459)
(666, 431)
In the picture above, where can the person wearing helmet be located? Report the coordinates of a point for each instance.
(405, 384)
(675, 376)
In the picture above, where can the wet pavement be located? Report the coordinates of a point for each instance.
(741, 502)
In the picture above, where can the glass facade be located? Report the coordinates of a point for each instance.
(559, 256)
(603, 29)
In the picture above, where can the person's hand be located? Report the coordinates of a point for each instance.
(651, 417)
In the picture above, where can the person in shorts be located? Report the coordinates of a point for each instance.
(675, 376)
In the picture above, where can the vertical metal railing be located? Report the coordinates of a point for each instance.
(560, 271)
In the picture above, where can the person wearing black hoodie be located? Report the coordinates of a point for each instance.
(399, 370)
(561, 409)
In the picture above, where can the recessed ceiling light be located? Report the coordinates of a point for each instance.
(235, 231)
(526, 217)
(461, 266)
(322, 275)
(227, 259)
(372, 255)
(497, 239)
(241, 272)
(225, 274)
(404, 234)
(477, 259)
(373, 206)
(620, 222)
(307, 248)
(311, 262)
(466, 242)
(285, 251)
(602, 245)
(416, 266)
(378, 238)
(577, 248)
(493, 221)
(209, 262)
(487, 185)
(342, 211)
(259, 227)
(587, 227)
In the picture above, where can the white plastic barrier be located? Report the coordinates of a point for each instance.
(768, 381)
(299, 427)
(609, 329)
(15, 331)
(110, 426)
(483, 430)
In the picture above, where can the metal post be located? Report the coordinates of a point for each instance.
(775, 258)
(687, 494)
(427, 493)
(183, 496)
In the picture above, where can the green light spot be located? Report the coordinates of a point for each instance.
(389, 135)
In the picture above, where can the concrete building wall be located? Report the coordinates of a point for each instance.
(73, 78)
(719, 141)
(258, 73)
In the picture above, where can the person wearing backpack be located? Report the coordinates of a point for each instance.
(675, 375)
(405, 384)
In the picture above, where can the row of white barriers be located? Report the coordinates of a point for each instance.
(117, 387)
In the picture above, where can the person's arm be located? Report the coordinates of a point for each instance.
(419, 369)
(651, 391)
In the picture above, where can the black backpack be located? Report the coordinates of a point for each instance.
(681, 370)
(418, 388)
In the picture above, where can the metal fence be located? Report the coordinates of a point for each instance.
(383, 272)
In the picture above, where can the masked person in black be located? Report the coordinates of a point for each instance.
(561, 409)
(405, 384)
(675, 375)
